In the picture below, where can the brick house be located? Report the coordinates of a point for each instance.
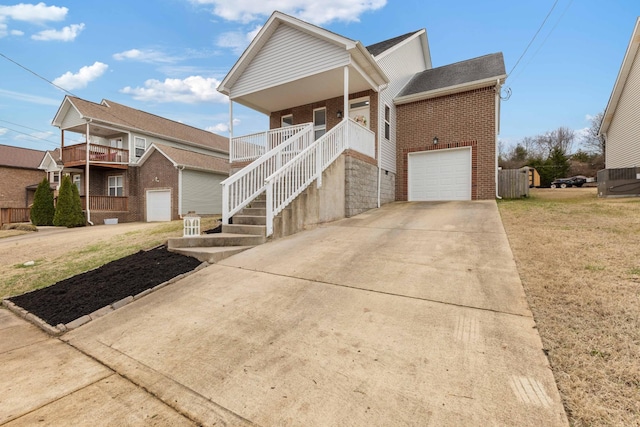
(135, 166)
(19, 175)
(398, 128)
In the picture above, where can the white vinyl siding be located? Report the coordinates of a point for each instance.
(623, 135)
(440, 175)
(71, 119)
(201, 192)
(288, 55)
(399, 66)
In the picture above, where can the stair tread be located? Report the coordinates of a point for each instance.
(214, 249)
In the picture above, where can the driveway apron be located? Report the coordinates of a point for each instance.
(411, 314)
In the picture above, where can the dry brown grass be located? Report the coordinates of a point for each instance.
(579, 260)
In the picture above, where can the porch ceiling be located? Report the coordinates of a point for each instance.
(97, 130)
(318, 87)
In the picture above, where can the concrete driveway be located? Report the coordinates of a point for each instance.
(412, 314)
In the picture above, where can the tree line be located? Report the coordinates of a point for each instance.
(552, 153)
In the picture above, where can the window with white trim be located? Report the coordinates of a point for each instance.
(55, 177)
(387, 120)
(115, 186)
(319, 122)
(77, 181)
(139, 145)
(286, 120)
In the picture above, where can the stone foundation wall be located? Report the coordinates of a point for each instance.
(361, 186)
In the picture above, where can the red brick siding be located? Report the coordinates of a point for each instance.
(458, 120)
(158, 173)
(13, 186)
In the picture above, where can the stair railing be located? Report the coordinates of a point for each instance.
(245, 185)
(250, 147)
(289, 181)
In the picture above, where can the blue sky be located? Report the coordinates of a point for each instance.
(168, 56)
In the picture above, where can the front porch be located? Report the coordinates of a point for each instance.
(97, 155)
(106, 203)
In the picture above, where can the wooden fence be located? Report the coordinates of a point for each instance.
(11, 215)
(513, 183)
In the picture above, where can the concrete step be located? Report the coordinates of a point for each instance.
(258, 203)
(250, 219)
(212, 254)
(256, 230)
(254, 211)
(215, 240)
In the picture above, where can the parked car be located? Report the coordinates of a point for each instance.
(574, 181)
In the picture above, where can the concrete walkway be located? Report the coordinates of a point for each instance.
(412, 314)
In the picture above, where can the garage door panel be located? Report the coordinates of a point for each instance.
(440, 175)
(158, 205)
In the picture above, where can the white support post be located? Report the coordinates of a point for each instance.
(269, 208)
(345, 117)
(86, 180)
(319, 164)
(225, 203)
(231, 150)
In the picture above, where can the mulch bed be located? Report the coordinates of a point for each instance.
(85, 293)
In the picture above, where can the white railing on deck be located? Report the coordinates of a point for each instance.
(250, 147)
(285, 184)
(248, 183)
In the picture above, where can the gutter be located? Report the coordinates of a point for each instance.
(497, 132)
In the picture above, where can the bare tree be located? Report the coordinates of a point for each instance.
(593, 142)
(560, 139)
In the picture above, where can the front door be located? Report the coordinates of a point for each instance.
(359, 111)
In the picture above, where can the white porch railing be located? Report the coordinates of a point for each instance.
(285, 184)
(248, 183)
(250, 147)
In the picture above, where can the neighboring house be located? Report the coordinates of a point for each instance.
(138, 166)
(621, 128)
(19, 175)
(52, 166)
(400, 129)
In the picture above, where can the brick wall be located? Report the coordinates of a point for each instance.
(158, 173)
(13, 192)
(458, 120)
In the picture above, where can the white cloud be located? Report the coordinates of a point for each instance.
(16, 33)
(145, 55)
(34, 99)
(82, 78)
(320, 12)
(3, 131)
(191, 90)
(237, 40)
(66, 34)
(222, 127)
(33, 12)
(3, 29)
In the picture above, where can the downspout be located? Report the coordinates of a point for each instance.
(86, 179)
(497, 132)
(379, 147)
(180, 169)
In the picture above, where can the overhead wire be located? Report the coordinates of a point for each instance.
(36, 74)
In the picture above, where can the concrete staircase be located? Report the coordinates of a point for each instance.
(248, 230)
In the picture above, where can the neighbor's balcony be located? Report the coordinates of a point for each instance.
(100, 155)
(106, 203)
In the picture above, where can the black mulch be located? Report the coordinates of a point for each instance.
(85, 293)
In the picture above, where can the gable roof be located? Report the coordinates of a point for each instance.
(188, 159)
(629, 57)
(377, 48)
(452, 78)
(113, 113)
(50, 159)
(18, 157)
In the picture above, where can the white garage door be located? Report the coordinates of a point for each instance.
(440, 175)
(158, 205)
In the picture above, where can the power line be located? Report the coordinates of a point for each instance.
(32, 136)
(534, 37)
(36, 74)
(33, 129)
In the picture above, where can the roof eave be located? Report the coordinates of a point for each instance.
(623, 74)
(463, 87)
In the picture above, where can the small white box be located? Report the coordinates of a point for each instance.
(110, 221)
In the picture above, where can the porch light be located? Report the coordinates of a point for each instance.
(435, 140)
(339, 114)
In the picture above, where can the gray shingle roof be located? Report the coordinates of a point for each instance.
(18, 157)
(195, 160)
(377, 48)
(468, 71)
(112, 112)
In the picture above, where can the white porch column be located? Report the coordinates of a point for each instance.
(231, 153)
(86, 180)
(345, 107)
